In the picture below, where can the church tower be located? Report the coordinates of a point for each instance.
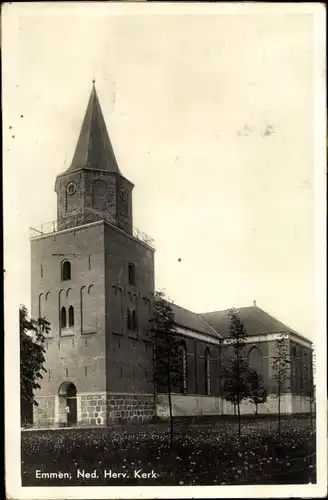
(93, 186)
(92, 277)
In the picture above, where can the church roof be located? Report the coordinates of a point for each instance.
(256, 322)
(192, 321)
(94, 149)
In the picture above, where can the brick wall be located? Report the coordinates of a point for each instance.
(74, 354)
(129, 355)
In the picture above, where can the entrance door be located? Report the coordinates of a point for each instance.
(72, 406)
(68, 403)
(72, 411)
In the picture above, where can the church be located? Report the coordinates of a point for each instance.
(92, 278)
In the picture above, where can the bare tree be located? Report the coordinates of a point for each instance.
(257, 391)
(235, 374)
(308, 370)
(166, 351)
(281, 369)
(312, 383)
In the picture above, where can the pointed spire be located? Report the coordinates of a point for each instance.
(94, 149)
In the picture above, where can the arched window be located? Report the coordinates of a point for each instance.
(207, 371)
(293, 367)
(255, 359)
(301, 372)
(132, 274)
(134, 321)
(40, 305)
(63, 319)
(129, 320)
(184, 370)
(66, 270)
(71, 316)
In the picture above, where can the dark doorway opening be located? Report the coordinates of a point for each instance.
(68, 402)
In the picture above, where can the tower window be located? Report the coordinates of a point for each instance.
(66, 270)
(71, 316)
(41, 270)
(63, 319)
(134, 321)
(132, 274)
(129, 320)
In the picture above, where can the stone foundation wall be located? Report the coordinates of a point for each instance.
(103, 409)
(44, 413)
(91, 409)
(134, 408)
(95, 409)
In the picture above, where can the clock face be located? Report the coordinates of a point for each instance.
(71, 188)
(124, 194)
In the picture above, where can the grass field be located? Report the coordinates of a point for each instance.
(203, 454)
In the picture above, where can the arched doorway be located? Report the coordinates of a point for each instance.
(68, 402)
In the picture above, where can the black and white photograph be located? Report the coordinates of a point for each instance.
(164, 250)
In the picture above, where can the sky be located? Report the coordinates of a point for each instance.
(210, 116)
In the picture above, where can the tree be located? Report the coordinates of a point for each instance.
(31, 357)
(167, 374)
(308, 379)
(257, 391)
(312, 372)
(235, 373)
(281, 369)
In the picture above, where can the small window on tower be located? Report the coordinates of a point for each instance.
(66, 270)
(129, 320)
(134, 321)
(71, 316)
(132, 274)
(63, 320)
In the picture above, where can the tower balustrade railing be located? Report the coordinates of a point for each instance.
(82, 219)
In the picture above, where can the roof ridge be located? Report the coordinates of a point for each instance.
(276, 319)
(210, 326)
(228, 309)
